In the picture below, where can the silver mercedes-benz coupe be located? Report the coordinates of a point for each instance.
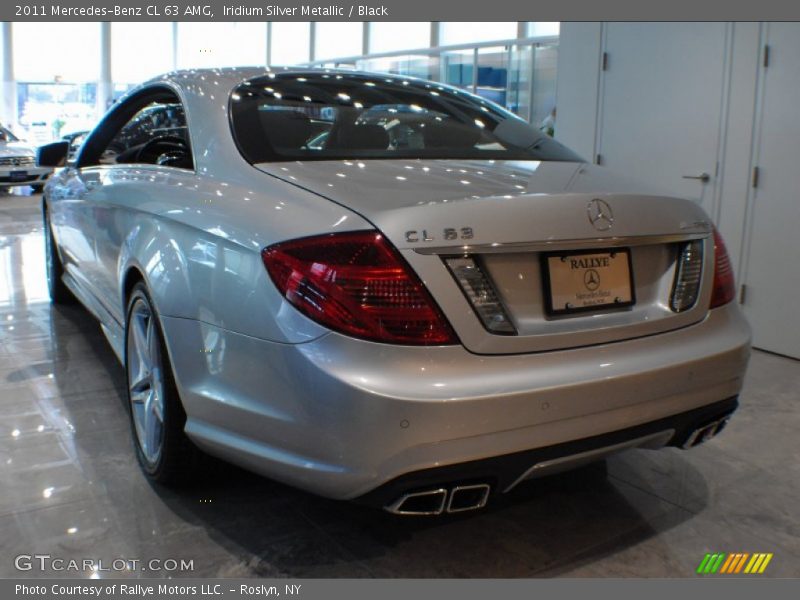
(384, 289)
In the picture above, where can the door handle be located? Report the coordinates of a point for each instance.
(704, 177)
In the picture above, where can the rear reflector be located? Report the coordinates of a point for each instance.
(687, 276)
(724, 284)
(480, 292)
(357, 284)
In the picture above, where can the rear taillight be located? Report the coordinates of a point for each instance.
(357, 284)
(688, 274)
(724, 285)
(481, 294)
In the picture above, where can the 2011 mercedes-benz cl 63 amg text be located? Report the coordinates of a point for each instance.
(379, 288)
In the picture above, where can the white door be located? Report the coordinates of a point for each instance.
(772, 267)
(661, 98)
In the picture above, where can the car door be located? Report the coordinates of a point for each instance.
(92, 201)
(71, 220)
(149, 151)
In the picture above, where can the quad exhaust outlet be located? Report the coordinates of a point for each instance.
(705, 433)
(436, 501)
(463, 498)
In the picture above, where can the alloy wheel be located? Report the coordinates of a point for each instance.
(145, 380)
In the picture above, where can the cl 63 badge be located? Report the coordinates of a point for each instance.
(448, 234)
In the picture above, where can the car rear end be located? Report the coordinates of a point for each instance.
(510, 368)
(499, 320)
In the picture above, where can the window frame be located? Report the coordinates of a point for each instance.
(123, 113)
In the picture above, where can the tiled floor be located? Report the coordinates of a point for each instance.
(70, 487)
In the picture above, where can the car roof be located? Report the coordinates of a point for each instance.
(242, 73)
(234, 75)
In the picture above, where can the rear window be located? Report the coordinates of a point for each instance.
(329, 116)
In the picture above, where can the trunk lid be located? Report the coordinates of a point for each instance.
(510, 216)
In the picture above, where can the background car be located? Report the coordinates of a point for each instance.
(385, 289)
(18, 163)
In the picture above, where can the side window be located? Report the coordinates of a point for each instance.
(156, 135)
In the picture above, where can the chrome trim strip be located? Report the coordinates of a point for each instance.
(563, 463)
(555, 245)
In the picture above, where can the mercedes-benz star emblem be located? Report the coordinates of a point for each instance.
(600, 214)
(591, 279)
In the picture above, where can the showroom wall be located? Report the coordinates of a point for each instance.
(686, 109)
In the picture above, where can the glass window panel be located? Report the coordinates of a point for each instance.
(394, 36)
(520, 81)
(492, 79)
(140, 51)
(335, 39)
(414, 65)
(157, 134)
(457, 68)
(544, 29)
(73, 51)
(281, 117)
(221, 44)
(452, 33)
(46, 111)
(544, 87)
(290, 43)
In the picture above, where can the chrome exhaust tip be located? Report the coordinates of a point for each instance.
(436, 501)
(429, 502)
(468, 497)
(705, 433)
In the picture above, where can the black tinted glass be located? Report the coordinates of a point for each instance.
(329, 116)
(157, 134)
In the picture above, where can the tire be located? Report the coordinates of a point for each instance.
(157, 417)
(59, 292)
(37, 188)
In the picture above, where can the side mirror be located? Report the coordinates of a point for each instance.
(52, 155)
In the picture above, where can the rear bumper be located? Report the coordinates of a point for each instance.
(502, 473)
(343, 418)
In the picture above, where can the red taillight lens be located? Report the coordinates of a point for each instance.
(358, 284)
(724, 285)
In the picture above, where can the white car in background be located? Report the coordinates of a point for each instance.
(384, 289)
(18, 163)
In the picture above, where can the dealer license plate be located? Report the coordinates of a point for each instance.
(587, 281)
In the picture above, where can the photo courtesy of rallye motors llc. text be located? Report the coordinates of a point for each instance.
(144, 591)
